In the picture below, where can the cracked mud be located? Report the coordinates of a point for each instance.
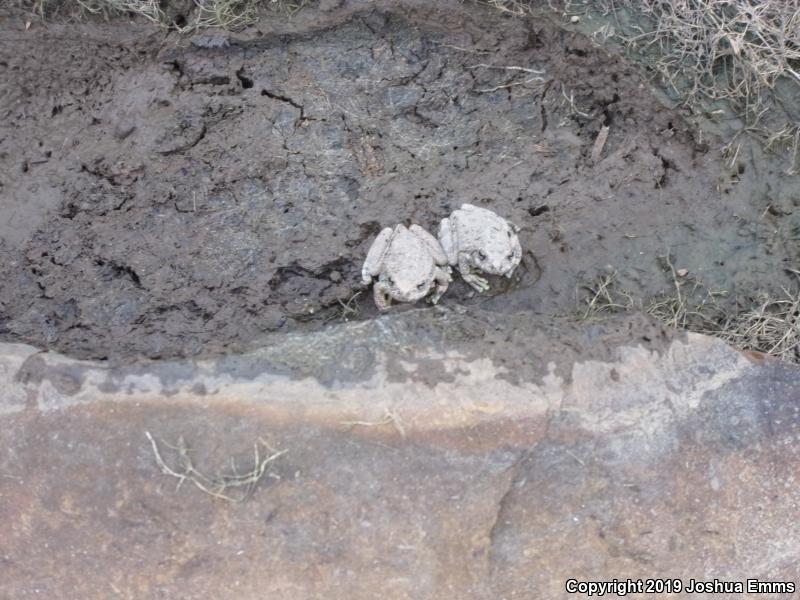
(166, 197)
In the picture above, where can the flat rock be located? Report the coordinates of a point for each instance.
(397, 471)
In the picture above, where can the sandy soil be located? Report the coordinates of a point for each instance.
(166, 196)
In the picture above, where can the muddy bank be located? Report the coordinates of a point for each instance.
(167, 197)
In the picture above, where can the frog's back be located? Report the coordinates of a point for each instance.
(408, 249)
(478, 226)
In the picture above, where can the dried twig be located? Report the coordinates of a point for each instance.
(599, 144)
(605, 298)
(389, 417)
(216, 486)
(509, 84)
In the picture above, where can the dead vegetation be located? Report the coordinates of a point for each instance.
(390, 417)
(733, 50)
(346, 309)
(199, 14)
(232, 487)
(736, 58)
(770, 325)
(688, 303)
(605, 298)
(764, 323)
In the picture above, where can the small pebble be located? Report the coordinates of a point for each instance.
(682, 272)
(335, 276)
(574, 18)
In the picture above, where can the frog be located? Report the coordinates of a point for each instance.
(476, 240)
(407, 264)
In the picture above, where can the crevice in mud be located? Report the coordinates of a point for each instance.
(118, 270)
(287, 100)
(667, 165)
(101, 173)
(190, 306)
(244, 80)
(417, 117)
(543, 114)
(539, 210)
(180, 21)
(69, 210)
(195, 139)
(176, 66)
(219, 80)
(282, 274)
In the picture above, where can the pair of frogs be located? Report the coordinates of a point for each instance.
(407, 263)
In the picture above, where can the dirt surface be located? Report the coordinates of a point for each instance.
(165, 196)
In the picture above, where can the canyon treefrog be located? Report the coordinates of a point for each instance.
(407, 262)
(476, 239)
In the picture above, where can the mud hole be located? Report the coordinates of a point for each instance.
(164, 196)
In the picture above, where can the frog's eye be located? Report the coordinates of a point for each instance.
(421, 286)
(481, 255)
(510, 234)
(510, 256)
(390, 280)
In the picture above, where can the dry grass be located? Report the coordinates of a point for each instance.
(232, 487)
(770, 326)
(226, 14)
(605, 298)
(345, 310)
(711, 54)
(765, 323)
(390, 417)
(732, 49)
(689, 304)
(148, 9)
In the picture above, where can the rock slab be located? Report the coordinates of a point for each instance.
(407, 471)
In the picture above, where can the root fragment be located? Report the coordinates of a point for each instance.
(218, 487)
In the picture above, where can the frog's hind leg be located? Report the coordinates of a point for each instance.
(431, 243)
(382, 298)
(478, 283)
(442, 278)
(447, 239)
(372, 264)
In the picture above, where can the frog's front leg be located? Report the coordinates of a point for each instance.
(442, 278)
(382, 298)
(477, 282)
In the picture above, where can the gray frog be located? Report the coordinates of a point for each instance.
(476, 239)
(407, 262)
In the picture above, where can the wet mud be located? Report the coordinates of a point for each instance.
(165, 196)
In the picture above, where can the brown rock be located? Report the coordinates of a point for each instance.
(407, 473)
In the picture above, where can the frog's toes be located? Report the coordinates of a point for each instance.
(478, 283)
(382, 300)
